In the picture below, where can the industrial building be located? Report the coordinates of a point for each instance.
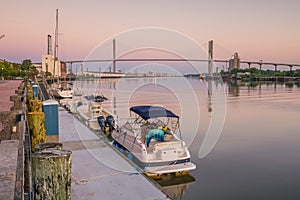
(234, 62)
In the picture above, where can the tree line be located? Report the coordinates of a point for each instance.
(13, 70)
(254, 72)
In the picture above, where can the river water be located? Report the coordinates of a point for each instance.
(243, 137)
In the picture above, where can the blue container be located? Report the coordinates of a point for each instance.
(50, 108)
(35, 89)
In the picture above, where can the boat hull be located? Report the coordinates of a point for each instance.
(62, 93)
(90, 120)
(157, 169)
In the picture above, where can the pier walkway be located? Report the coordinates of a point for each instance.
(10, 145)
(96, 166)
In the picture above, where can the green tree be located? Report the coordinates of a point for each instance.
(26, 64)
(6, 69)
(29, 69)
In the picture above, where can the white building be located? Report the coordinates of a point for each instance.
(48, 65)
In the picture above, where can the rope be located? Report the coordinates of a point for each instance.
(85, 180)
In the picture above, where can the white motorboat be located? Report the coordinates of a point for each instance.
(95, 117)
(62, 93)
(150, 138)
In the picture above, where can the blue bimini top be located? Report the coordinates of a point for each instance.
(147, 112)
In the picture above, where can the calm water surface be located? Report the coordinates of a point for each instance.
(257, 155)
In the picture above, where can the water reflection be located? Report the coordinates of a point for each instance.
(258, 149)
(234, 87)
(214, 87)
(209, 93)
(174, 186)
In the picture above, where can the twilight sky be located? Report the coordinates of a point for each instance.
(257, 29)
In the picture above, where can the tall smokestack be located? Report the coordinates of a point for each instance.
(49, 48)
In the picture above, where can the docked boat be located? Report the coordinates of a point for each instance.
(62, 93)
(95, 117)
(150, 138)
(62, 90)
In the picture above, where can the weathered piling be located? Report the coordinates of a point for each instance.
(37, 128)
(29, 95)
(48, 145)
(35, 106)
(51, 172)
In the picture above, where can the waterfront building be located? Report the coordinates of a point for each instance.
(234, 62)
(52, 65)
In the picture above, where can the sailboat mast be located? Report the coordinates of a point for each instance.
(55, 42)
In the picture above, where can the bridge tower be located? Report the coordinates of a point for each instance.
(114, 56)
(210, 57)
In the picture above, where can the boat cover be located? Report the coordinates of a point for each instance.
(97, 98)
(147, 112)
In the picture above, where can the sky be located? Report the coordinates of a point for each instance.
(267, 30)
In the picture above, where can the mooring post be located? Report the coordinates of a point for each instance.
(51, 174)
(29, 95)
(48, 145)
(35, 106)
(37, 128)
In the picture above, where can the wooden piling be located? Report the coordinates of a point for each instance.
(37, 129)
(48, 145)
(51, 172)
(29, 95)
(35, 106)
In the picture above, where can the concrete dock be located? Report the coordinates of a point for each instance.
(98, 172)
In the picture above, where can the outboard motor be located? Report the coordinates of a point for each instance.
(101, 121)
(110, 122)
